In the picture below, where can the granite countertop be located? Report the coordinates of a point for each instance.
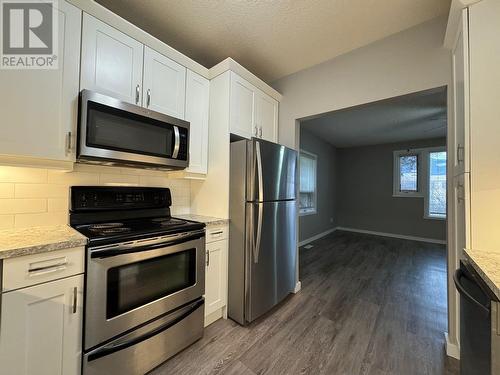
(26, 241)
(208, 220)
(487, 264)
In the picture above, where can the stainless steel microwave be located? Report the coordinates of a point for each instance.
(113, 132)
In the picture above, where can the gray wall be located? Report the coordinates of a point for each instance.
(311, 225)
(364, 193)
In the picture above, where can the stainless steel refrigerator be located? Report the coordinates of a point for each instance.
(262, 241)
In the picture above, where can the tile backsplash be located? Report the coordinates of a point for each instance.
(33, 196)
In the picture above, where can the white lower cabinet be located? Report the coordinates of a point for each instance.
(41, 329)
(215, 280)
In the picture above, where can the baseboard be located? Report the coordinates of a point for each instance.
(317, 237)
(213, 317)
(298, 287)
(452, 350)
(393, 235)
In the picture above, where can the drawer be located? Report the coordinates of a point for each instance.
(34, 269)
(216, 233)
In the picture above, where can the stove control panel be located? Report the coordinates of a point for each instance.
(120, 197)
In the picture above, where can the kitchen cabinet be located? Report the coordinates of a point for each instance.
(460, 149)
(266, 116)
(39, 107)
(41, 328)
(112, 62)
(197, 102)
(252, 112)
(242, 107)
(164, 86)
(216, 273)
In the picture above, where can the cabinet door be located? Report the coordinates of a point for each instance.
(266, 116)
(241, 116)
(461, 210)
(41, 329)
(111, 61)
(39, 107)
(460, 130)
(164, 84)
(216, 276)
(197, 100)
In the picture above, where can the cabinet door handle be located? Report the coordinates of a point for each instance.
(75, 299)
(137, 93)
(460, 152)
(460, 188)
(148, 100)
(255, 131)
(260, 132)
(208, 258)
(68, 143)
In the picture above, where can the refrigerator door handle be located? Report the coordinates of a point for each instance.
(256, 242)
(259, 172)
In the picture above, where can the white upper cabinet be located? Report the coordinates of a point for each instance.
(197, 102)
(242, 105)
(164, 88)
(39, 107)
(460, 130)
(111, 61)
(266, 116)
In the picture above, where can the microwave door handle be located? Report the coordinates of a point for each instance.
(177, 142)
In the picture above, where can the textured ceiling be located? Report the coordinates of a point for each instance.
(415, 116)
(273, 38)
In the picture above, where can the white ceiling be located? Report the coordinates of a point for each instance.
(420, 115)
(273, 38)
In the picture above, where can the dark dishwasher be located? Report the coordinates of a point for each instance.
(475, 322)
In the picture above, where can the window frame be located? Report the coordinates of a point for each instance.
(314, 210)
(427, 161)
(396, 192)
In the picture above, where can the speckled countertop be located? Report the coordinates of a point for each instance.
(487, 264)
(208, 220)
(26, 241)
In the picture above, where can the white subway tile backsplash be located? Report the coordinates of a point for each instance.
(6, 221)
(41, 191)
(16, 206)
(47, 218)
(33, 197)
(6, 190)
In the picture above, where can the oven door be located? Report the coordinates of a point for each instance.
(132, 283)
(118, 132)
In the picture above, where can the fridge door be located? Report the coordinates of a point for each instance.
(271, 255)
(271, 172)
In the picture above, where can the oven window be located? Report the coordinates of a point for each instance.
(135, 284)
(115, 129)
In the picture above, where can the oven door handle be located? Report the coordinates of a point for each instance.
(107, 350)
(110, 251)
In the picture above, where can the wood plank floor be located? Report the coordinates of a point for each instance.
(368, 305)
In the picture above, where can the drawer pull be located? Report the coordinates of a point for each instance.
(42, 268)
(216, 233)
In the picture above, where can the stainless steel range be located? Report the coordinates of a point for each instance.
(144, 278)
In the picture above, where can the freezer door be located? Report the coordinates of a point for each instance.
(271, 254)
(272, 170)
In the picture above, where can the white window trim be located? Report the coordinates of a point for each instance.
(427, 162)
(310, 211)
(396, 175)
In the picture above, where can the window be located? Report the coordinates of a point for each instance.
(422, 173)
(307, 195)
(436, 192)
(407, 174)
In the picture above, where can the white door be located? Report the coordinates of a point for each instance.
(266, 116)
(39, 107)
(111, 61)
(215, 276)
(42, 329)
(197, 101)
(241, 109)
(164, 84)
(460, 131)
